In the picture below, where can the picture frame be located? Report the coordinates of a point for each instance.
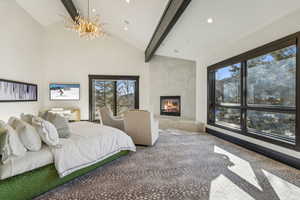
(64, 91)
(16, 91)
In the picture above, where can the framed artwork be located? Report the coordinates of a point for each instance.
(64, 92)
(14, 91)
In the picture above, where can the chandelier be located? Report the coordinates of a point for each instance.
(87, 27)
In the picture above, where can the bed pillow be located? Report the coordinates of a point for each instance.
(28, 135)
(10, 144)
(11, 121)
(27, 118)
(46, 131)
(61, 124)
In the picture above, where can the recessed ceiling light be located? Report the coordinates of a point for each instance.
(125, 28)
(94, 10)
(210, 20)
(127, 1)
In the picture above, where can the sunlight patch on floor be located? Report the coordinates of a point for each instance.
(223, 189)
(241, 167)
(284, 189)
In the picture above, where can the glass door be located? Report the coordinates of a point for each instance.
(119, 95)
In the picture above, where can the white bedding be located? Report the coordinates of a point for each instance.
(89, 143)
(31, 161)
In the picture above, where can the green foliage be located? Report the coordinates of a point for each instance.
(104, 95)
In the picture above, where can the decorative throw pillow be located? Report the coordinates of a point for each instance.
(10, 144)
(28, 135)
(27, 118)
(46, 130)
(61, 124)
(42, 114)
(11, 121)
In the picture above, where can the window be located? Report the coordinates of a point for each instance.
(256, 96)
(125, 96)
(228, 116)
(279, 124)
(118, 93)
(271, 78)
(228, 85)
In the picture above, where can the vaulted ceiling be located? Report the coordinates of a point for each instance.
(191, 36)
(142, 15)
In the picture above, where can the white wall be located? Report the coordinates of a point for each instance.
(71, 59)
(285, 26)
(172, 77)
(20, 54)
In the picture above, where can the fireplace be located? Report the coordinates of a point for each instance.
(170, 105)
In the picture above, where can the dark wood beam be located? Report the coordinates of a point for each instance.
(172, 13)
(69, 5)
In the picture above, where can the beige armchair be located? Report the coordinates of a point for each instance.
(141, 126)
(107, 118)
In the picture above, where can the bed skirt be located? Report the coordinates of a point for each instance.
(39, 181)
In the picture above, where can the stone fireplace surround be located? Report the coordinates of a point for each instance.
(170, 77)
(173, 77)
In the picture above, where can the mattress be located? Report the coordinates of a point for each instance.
(31, 161)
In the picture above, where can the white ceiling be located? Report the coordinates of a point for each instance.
(191, 37)
(194, 38)
(143, 16)
(46, 12)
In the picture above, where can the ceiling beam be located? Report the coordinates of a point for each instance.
(172, 13)
(69, 5)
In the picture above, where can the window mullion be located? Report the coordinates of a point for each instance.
(115, 99)
(297, 135)
(211, 97)
(244, 96)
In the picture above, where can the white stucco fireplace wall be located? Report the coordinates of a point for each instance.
(173, 77)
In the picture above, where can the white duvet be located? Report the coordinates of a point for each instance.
(89, 143)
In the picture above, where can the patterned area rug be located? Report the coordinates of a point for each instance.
(186, 166)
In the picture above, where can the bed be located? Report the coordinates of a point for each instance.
(90, 146)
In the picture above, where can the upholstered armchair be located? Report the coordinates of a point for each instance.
(107, 118)
(141, 127)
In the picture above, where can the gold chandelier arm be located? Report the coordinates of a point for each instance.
(87, 27)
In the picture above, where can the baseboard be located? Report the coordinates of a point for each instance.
(286, 159)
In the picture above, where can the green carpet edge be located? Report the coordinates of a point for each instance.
(34, 183)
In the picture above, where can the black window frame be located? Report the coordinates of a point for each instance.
(242, 58)
(113, 77)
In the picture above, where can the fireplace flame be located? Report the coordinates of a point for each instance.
(169, 106)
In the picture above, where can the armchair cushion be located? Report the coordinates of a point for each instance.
(146, 131)
(108, 119)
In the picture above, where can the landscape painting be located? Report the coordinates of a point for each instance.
(12, 91)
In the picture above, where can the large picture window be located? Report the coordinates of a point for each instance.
(255, 93)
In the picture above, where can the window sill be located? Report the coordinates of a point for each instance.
(259, 136)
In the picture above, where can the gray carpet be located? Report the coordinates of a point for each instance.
(186, 166)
